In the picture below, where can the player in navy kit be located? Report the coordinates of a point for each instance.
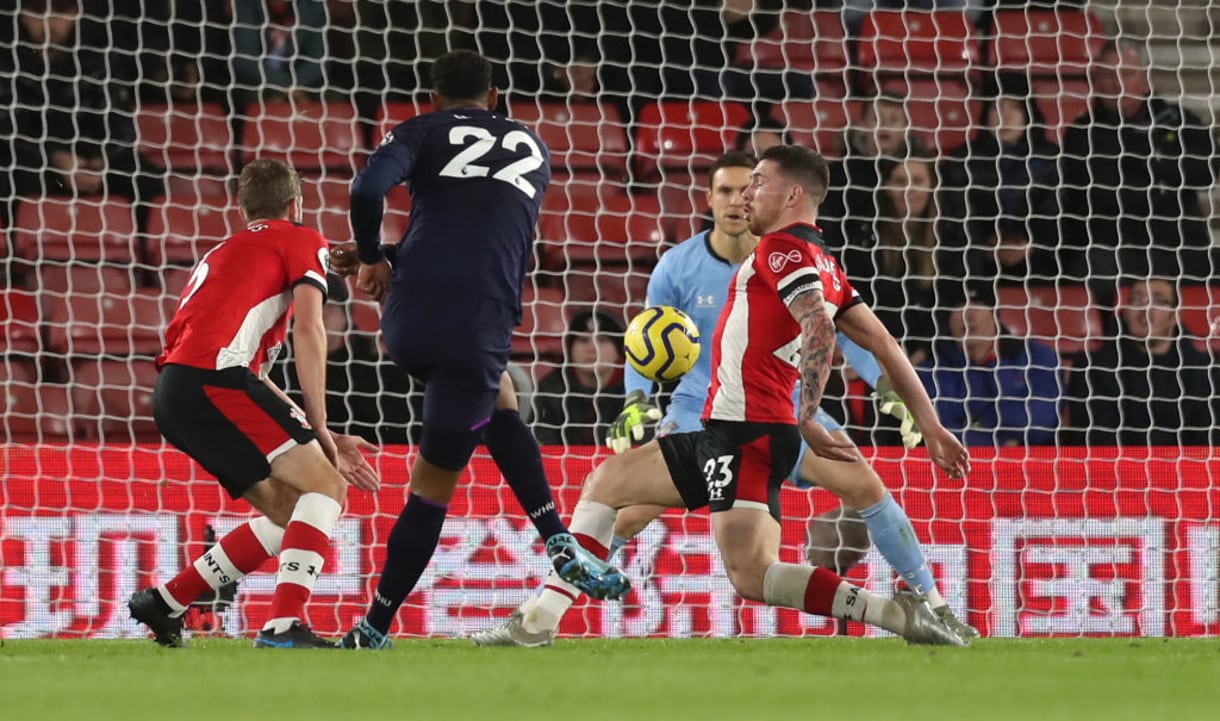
(452, 294)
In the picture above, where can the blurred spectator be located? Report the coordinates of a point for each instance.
(366, 395)
(990, 388)
(180, 47)
(1001, 185)
(574, 404)
(854, 11)
(1132, 170)
(882, 131)
(760, 133)
(1148, 386)
(392, 43)
(67, 121)
(893, 259)
(279, 46)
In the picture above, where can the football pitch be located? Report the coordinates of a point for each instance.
(623, 680)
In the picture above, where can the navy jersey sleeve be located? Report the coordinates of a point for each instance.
(388, 166)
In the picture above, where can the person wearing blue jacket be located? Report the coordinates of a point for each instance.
(991, 388)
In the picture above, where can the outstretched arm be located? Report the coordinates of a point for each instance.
(817, 352)
(863, 327)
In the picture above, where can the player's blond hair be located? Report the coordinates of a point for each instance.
(266, 188)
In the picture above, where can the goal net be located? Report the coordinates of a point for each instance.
(969, 185)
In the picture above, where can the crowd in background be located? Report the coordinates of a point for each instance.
(1114, 204)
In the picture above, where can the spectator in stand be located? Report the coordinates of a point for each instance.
(279, 47)
(66, 118)
(854, 11)
(893, 258)
(1132, 169)
(759, 133)
(881, 132)
(1150, 386)
(1001, 187)
(991, 388)
(180, 47)
(365, 394)
(574, 404)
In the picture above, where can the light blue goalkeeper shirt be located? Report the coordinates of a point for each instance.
(693, 279)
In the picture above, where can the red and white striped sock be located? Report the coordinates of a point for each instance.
(593, 527)
(306, 543)
(238, 553)
(824, 593)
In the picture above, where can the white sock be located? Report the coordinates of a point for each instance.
(591, 521)
(935, 600)
(855, 603)
(306, 539)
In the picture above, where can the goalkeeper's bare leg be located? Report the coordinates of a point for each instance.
(642, 476)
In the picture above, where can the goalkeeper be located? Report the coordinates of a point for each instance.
(694, 277)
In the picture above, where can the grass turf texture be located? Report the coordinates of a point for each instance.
(224, 680)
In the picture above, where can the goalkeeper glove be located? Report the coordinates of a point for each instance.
(891, 404)
(630, 423)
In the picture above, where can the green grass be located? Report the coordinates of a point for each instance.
(623, 680)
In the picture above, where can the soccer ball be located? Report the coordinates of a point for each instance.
(662, 343)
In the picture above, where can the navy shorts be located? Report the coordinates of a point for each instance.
(459, 354)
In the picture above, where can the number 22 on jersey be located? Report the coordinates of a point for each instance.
(466, 163)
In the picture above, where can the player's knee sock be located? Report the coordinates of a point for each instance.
(240, 552)
(408, 552)
(305, 546)
(515, 451)
(895, 539)
(822, 592)
(593, 527)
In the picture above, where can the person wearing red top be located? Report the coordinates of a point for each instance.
(213, 402)
(777, 326)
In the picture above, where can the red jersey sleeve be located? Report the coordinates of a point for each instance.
(306, 257)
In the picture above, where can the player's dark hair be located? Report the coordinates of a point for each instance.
(802, 166)
(461, 75)
(266, 188)
(732, 159)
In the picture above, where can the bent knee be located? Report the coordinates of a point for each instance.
(748, 582)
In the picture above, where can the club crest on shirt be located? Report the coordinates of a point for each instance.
(777, 260)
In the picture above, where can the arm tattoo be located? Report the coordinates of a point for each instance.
(817, 347)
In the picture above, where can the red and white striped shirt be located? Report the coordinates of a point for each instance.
(235, 308)
(756, 348)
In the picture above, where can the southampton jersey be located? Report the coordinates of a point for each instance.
(756, 349)
(476, 180)
(234, 309)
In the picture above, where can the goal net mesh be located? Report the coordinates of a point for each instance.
(965, 179)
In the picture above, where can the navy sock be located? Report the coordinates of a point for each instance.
(515, 451)
(410, 548)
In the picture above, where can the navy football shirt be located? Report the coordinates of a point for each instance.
(476, 180)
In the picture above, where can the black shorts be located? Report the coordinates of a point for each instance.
(730, 465)
(229, 421)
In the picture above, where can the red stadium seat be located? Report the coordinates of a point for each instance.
(85, 229)
(111, 324)
(19, 322)
(803, 41)
(39, 413)
(186, 137)
(308, 136)
(1061, 102)
(182, 230)
(819, 123)
(683, 203)
(622, 293)
(178, 185)
(391, 114)
(1064, 317)
(580, 136)
(112, 400)
(596, 230)
(941, 110)
(543, 324)
(326, 201)
(896, 42)
(18, 371)
(1055, 43)
(685, 134)
(57, 281)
